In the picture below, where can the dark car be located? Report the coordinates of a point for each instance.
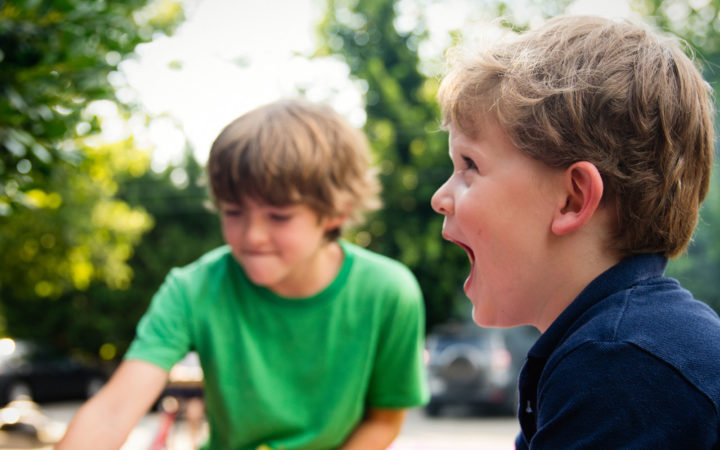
(28, 370)
(476, 367)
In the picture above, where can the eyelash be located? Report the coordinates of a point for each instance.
(273, 217)
(231, 213)
(280, 217)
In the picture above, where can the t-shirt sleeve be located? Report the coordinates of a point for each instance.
(163, 333)
(399, 377)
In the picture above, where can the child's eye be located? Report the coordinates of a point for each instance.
(232, 212)
(469, 163)
(278, 217)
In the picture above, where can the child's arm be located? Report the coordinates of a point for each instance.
(105, 420)
(377, 431)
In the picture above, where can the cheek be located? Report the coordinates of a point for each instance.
(287, 237)
(229, 231)
(475, 210)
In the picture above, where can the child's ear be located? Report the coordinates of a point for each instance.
(334, 222)
(583, 192)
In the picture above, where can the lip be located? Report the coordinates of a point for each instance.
(256, 252)
(471, 255)
(468, 250)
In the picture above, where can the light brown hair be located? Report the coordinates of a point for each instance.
(613, 93)
(293, 151)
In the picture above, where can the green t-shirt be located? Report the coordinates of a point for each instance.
(291, 373)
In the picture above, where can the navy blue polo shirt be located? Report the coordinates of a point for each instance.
(633, 362)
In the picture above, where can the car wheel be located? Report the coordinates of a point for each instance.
(93, 386)
(19, 390)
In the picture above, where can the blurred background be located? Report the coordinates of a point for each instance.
(108, 110)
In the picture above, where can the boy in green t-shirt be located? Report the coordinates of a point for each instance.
(305, 340)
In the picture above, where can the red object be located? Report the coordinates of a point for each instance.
(167, 421)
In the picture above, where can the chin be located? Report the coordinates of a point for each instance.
(260, 279)
(482, 319)
(488, 315)
(486, 320)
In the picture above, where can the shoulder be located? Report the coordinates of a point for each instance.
(388, 283)
(379, 272)
(192, 281)
(368, 262)
(666, 321)
(601, 387)
(658, 319)
(662, 318)
(213, 263)
(654, 314)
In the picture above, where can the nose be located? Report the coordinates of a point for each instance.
(442, 201)
(254, 229)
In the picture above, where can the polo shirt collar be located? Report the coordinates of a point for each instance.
(617, 278)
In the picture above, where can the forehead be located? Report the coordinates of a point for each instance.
(257, 203)
(251, 204)
(487, 137)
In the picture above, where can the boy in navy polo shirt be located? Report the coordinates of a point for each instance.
(582, 151)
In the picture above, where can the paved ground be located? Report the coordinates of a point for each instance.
(454, 430)
(457, 432)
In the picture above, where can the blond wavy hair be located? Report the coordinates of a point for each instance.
(617, 94)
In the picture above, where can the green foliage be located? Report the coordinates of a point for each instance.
(105, 318)
(72, 230)
(55, 58)
(62, 226)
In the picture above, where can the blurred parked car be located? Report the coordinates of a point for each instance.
(30, 371)
(476, 367)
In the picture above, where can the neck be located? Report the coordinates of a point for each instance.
(573, 269)
(322, 270)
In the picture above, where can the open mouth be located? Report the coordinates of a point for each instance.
(471, 255)
(468, 250)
